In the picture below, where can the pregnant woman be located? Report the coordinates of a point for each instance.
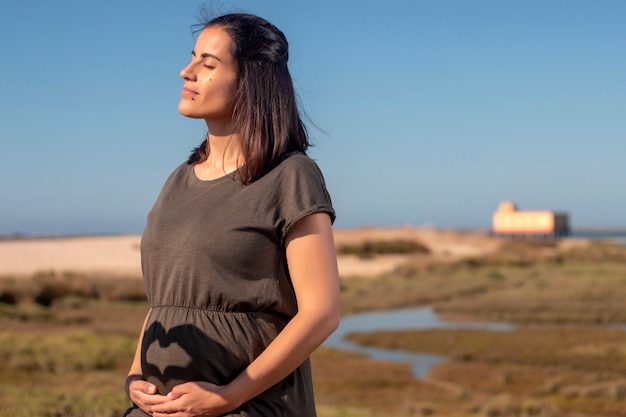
(237, 255)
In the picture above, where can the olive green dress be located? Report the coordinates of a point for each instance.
(216, 275)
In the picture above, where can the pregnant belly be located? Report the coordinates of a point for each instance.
(215, 350)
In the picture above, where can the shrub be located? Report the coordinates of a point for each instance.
(8, 297)
(368, 249)
(49, 288)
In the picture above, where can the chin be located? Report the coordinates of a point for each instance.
(188, 113)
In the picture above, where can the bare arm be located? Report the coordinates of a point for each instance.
(135, 367)
(312, 263)
(141, 392)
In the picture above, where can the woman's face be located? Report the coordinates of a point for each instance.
(210, 78)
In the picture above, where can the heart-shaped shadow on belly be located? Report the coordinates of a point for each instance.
(176, 356)
(185, 353)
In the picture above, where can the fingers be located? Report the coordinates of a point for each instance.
(178, 391)
(144, 394)
(154, 400)
(143, 386)
(168, 407)
(129, 380)
(175, 403)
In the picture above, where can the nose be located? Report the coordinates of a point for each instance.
(187, 72)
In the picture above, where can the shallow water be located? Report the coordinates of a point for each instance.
(408, 319)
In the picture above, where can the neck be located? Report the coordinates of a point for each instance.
(223, 156)
(223, 148)
(223, 142)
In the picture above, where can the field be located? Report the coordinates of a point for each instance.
(69, 326)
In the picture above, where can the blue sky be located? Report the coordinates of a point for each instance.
(429, 111)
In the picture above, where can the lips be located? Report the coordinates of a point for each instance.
(189, 92)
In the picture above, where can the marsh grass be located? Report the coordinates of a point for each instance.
(368, 248)
(48, 288)
(350, 384)
(78, 394)
(67, 373)
(66, 340)
(514, 284)
(563, 360)
(63, 351)
(565, 368)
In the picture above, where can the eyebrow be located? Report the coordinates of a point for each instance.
(206, 55)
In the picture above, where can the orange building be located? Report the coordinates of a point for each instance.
(509, 221)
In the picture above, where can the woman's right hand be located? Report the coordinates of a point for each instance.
(144, 394)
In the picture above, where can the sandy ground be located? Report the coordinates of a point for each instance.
(444, 245)
(119, 255)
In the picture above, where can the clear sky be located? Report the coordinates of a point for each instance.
(428, 111)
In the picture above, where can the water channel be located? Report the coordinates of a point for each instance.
(409, 319)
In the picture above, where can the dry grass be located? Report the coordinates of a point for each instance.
(368, 248)
(564, 369)
(568, 361)
(63, 330)
(41, 369)
(348, 381)
(47, 288)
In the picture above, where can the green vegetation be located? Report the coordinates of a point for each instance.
(369, 249)
(565, 359)
(63, 372)
(49, 288)
(66, 340)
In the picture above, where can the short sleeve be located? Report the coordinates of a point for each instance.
(301, 191)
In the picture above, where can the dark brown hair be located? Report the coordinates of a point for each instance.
(265, 109)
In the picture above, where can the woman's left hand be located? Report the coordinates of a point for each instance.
(194, 399)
